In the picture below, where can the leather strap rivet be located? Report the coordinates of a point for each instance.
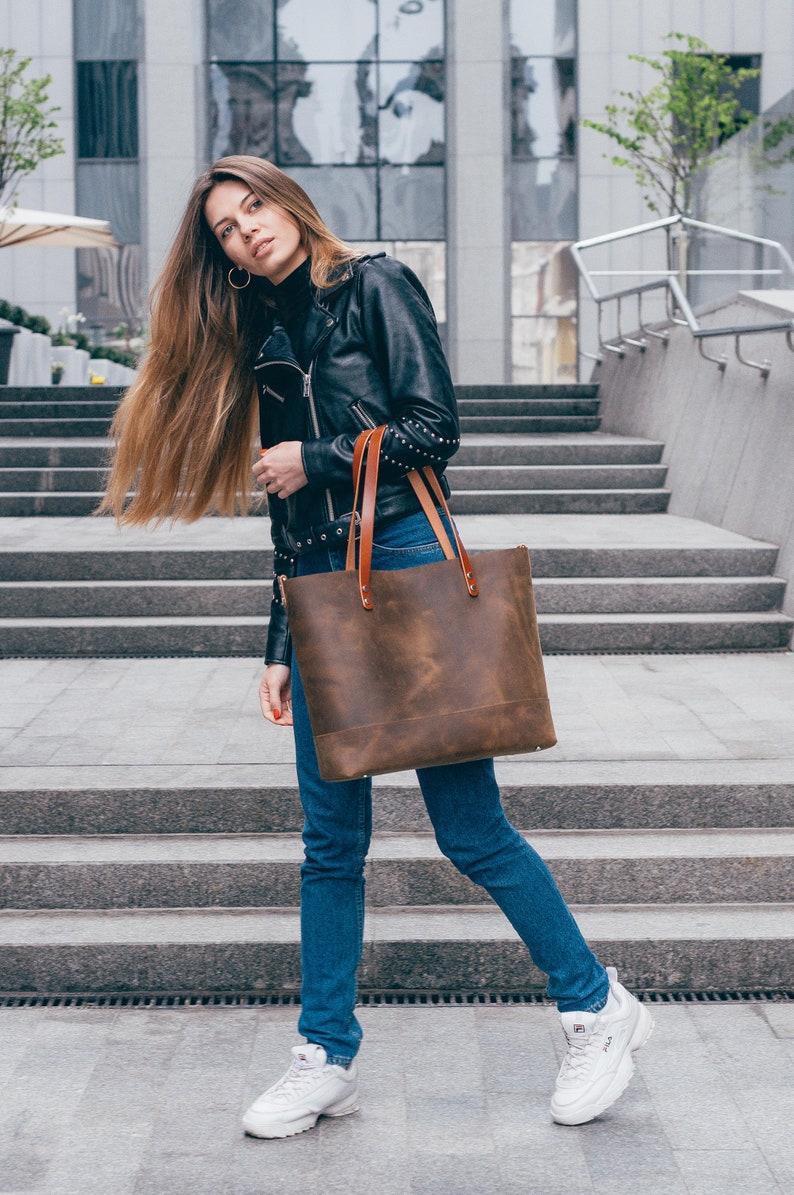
(365, 588)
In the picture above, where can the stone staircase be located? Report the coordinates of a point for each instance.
(196, 890)
(116, 881)
(652, 590)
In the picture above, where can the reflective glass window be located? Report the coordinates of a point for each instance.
(340, 88)
(411, 29)
(309, 31)
(544, 350)
(106, 29)
(240, 30)
(544, 279)
(110, 191)
(544, 200)
(412, 202)
(543, 27)
(109, 287)
(107, 109)
(326, 113)
(243, 109)
(543, 100)
(345, 197)
(411, 112)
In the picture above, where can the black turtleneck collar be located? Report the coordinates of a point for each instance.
(294, 294)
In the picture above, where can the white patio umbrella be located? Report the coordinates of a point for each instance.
(22, 226)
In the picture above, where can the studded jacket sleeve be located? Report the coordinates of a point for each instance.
(399, 329)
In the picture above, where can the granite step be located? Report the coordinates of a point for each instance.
(19, 480)
(537, 794)
(591, 448)
(657, 947)
(135, 599)
(238, 635)
(57, 409)
(462, 478)
(527, 391)
(195, 870)
(499, 424)
(553, 501)
(65, 504)
(136, 562)
(50, 428)
(483, 407)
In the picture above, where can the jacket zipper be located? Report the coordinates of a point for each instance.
(308, 394)
(363, 415)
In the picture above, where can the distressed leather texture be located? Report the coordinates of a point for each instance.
(429, 675)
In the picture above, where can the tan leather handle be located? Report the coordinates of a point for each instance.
(359, 450)
(366, 459)
(430, 480)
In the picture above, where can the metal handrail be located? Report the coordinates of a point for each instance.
(669, 281)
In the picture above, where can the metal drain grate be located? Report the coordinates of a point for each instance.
(153, 1000)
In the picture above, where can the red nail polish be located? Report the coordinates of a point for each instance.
(277, 714)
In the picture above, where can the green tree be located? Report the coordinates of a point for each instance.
(26, 124)
(668, 133)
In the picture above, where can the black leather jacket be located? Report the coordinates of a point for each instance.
(371, 355)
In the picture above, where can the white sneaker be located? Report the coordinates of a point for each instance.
(311, 1088)
(598, 1064)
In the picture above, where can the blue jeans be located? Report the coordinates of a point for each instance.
(471, 829)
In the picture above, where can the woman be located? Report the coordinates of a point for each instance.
(256, 287)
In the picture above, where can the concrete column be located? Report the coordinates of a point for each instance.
(171, 104)
(478, 191)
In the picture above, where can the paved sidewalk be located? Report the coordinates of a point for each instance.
(196, 721)
(454, 1100)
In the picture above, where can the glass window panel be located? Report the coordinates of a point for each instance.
(543, 26)
(109, 287)
(544, 279)
(106, 30)
(242, 111)
(240, 30)
(544, 200)
(411, 112)
(345, 197)
(107, 109)
(428, 260)
(411, 29)
(110, 191)
(323, 31)
(326, 113)
(544, 350)
(412, 203)
(543, 107)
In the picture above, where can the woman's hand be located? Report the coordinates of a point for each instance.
(280, 469)
(275, 695)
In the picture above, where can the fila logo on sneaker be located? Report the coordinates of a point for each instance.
(579, 1029)
(607, 1044)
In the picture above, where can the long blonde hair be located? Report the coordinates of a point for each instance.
(184, 431)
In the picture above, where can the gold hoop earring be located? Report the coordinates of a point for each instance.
(241, 270)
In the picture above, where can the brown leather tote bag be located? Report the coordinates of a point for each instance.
(434, 664)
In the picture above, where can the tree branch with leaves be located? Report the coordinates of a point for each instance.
(26, 123)
(668, 133)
